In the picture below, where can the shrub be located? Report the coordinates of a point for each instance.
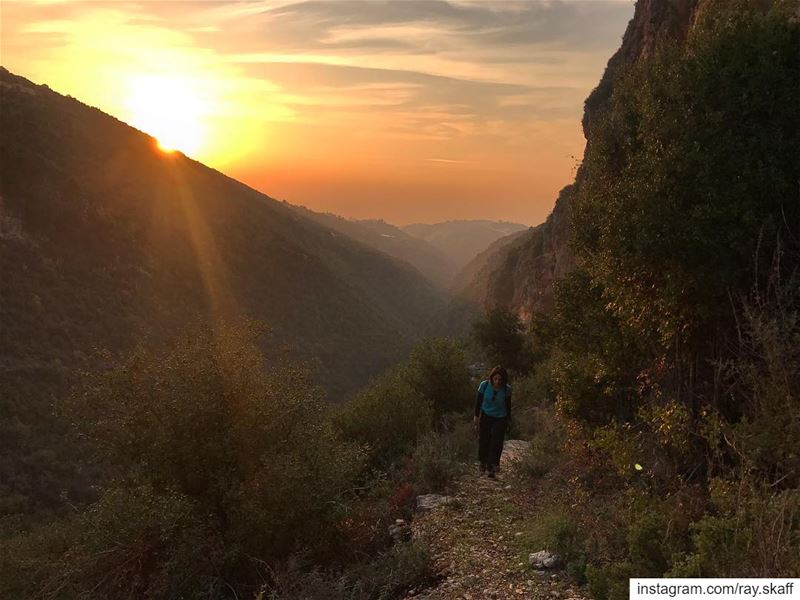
(501, 336)
(138, 543)
(647, 545)
(439, 456)
(557, 532)
(388, 418)
(437, 371)
(755, 533)
(389, 575)
(215, 458)
(29, 555)
(609, 582)
(546, 443)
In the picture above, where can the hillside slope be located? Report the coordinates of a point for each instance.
(133, 238)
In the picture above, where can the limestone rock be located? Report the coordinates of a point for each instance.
(543, 560)
(431, 501)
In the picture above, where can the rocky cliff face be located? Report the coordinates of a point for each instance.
(518, 272)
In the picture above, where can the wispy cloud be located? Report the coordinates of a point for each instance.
(495, 84)
(449, 161)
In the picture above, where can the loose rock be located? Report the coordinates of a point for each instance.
(543, 560)
(431, 501)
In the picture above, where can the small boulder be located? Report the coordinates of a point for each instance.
(543, 560)
(400, 531)
(431, 501)
(514, 449)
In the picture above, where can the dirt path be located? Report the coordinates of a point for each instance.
(475, 540)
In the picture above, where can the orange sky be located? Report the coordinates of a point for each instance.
(410, 111)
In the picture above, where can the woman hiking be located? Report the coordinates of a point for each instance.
(492, 416)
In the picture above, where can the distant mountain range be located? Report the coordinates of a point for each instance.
(429, 260)
(437, 250)
(461, 241)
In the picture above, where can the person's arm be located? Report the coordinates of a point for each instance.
(478, 403)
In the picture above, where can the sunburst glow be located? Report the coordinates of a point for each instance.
(170, 109)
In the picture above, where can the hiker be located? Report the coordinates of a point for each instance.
(492, 416)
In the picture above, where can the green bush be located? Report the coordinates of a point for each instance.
(437, 371)
(555, 531)
(764, 379)
(392, 574)
(648, 545)
(545, 450)
(138, 543)
(609, 582)
(596, 360)
(405, 403)
(29, 555)
(535, 388)
(215, 458)
(754, 533)
(439, 457)
(388, 418)
(501, 336)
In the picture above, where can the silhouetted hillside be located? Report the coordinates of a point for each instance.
(106, 242)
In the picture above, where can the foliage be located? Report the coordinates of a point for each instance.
(595, 361)
(214, 459)
(404, 404)
(555, 531)
(389, 575)
(501, 336)
(754, 532)
(688, 165)
(764, 377)
(387, 418)
(609, 582)
(437, 371)
(675, 341)
(546, 442)
(440, 456)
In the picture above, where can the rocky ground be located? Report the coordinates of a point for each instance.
(476, 537)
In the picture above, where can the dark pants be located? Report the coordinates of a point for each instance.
(490, 441)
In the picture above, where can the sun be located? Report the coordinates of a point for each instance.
(171, 109)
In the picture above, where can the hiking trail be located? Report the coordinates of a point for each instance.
(476, 540)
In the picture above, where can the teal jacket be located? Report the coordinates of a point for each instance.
(493, 403)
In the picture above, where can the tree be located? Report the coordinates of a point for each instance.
(437, 371)
(215, 459)
(501, 335)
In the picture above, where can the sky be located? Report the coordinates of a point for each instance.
(405, 110)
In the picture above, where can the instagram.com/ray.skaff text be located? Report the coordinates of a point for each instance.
(718, 589)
